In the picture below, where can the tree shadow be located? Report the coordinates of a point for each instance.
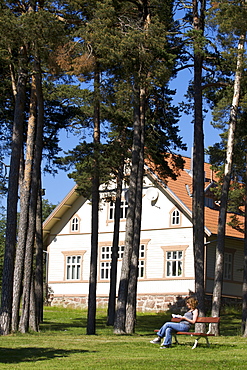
(63, 326)
(29, 354)
(230, 324)
(146, 324)
(75, 323)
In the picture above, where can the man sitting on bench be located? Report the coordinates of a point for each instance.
(187, 320)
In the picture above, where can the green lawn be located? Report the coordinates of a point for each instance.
(62, 344)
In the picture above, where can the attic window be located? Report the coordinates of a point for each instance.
(175, 217)
(75, 224)
(123, 209)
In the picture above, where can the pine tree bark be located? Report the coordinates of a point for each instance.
(114, 258)
(33, 322)
(219, 258)
(36, 163)
(198, 160)
(37, 201)
(120, 317)
(91, 325)
(25, 190)
(132, 286)
(244, 304)
(12, 198)
(38, 283)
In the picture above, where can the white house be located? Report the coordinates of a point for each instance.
(166, 266)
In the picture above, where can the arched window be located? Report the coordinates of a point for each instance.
(175, 217)
(75, 224)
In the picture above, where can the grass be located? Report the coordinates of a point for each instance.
(62, 343)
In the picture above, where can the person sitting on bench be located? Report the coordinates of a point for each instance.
(187, 320)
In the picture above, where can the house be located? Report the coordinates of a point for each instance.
(166, 265)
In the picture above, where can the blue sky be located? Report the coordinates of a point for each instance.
(58, 186)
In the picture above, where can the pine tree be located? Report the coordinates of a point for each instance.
(233, 30)
(145, 71)
(199, 8)
(12, 199)
(128, 41)
(22, 42)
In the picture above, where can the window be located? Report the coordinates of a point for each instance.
(106, 253)
(105, 261)
(73, 267)
(120, 251)
(105, 264)
(228, 264)
(73, 262)
(75, 224)
(111, 210)
(105, 270)
(175, 217)
(174, 263)
(141, 264)
(123, 209)
(209, 202)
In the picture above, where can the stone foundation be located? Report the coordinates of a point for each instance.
(145, 303)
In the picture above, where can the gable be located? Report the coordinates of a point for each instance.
(156, 212)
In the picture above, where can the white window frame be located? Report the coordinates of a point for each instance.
(73, 265)
(179, 249)
(123, 209)
(175, 217)
(142, 261)
(105, 260)
(105, 270)
(75, 224)
(174, 263)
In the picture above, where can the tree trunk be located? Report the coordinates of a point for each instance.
(38, 276)
(33, 322)
(37, 156)
(114, 258)
(95, 212)
(132, 287)
(38, 286)
(12, 199)
(120, 317)
(198, 161)
(219, 258)
(25, 190)
(244, 305)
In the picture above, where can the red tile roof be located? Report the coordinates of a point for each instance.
(182, 188)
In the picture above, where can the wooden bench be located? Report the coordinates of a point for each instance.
(203, 320)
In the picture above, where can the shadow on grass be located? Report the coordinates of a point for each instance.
(230, 324)
(75, 323)
(29, 354)
(63, 326)
(146, 324)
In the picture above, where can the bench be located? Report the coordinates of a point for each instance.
(203, 320)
